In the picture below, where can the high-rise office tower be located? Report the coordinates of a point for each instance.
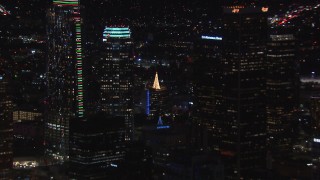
(315, 151)
(115, 76)
(240, 118)
(6, 129)
(230, 91)
(97, 143)
(206, 58)
(6, 111)
(64, 73)
(157, 97)
(281, 89)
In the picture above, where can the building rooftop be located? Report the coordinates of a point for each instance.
(116, 32)
(66, 2)
(156, 84)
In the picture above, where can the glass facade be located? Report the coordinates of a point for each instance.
(281, 89)
(6, 129)
(64, 73)
(230, 92)
(96, 144)
(240, 114)
(115, 76)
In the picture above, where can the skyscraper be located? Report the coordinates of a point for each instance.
(96, 145)
(157, 97)
(6, 129)
(64, 73)
(281, 89)
(240, 118)
(6, 111)
(207, 88)
(115, 76)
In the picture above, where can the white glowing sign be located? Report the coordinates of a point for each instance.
(114, 165)
(316, 140)
(212, 38)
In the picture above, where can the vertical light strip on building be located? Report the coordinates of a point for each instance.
(148, 103)
(77, 19)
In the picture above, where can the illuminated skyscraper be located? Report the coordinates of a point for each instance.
(239, 123)
(6, 129)
(281, 90)
(157, 97)
(115, 76)
(64, 73)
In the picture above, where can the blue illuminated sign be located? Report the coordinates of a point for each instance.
(163, 127)
(217, 38)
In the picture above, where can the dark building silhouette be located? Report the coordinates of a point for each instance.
(191, 164)
(315, 109)
(241, 118)
(233, 101)
(6, 127)
(282, 86)
(316, 157)
(206, 76)
(97, 144)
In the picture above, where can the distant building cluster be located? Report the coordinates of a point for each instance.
(162, 90)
